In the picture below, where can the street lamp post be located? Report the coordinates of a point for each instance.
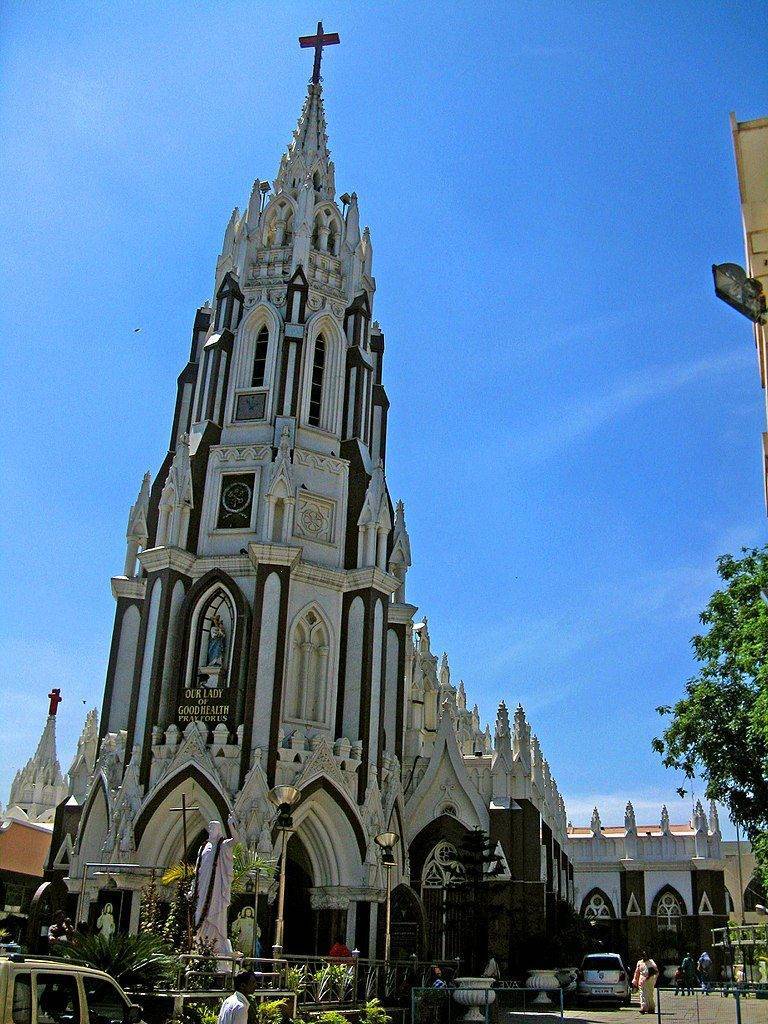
(285, 799)
(388, 841)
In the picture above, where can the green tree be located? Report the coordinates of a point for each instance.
(719, 729)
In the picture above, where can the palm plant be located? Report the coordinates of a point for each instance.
(245, 863)
(140, 962)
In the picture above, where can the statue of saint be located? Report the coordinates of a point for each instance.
(212, 890)
(105, 925)
(244, 931)
(216, 637)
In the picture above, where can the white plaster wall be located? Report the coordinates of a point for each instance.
(679, 880)
(124, 666)
(270, 614)
(608, 881)
(146, 668)
(378, 639)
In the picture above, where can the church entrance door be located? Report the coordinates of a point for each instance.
(300, 924)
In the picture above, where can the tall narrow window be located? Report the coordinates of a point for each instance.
(316, 390)
(260, 359)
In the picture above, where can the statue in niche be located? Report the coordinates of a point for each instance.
(216, 637)
(105, 926)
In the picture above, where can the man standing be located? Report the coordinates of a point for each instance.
(688, 967)
(705, 972)
(234, 1009)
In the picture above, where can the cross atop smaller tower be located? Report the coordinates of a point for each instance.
(317, 42)
(55, 699)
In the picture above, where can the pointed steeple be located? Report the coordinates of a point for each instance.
(81, 769)
(630, 823)
(714, 819)
(307, 155)
(400, 556)
(39, 786)
(596, 824)
(136, 534)
(664, 823)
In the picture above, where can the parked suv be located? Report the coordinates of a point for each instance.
(603, 976)
(40, 990)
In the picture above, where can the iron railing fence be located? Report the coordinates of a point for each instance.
(728, 1004)
(502, 1002)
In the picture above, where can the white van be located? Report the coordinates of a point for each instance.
(38, 990)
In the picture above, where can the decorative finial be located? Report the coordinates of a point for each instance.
(56, 699)
(317, 42)
(597, 827)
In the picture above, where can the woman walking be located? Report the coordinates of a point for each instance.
(644, 981)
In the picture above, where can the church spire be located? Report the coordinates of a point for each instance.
(307, 158)
(39, 786)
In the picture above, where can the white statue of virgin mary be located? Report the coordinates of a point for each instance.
(212, 890)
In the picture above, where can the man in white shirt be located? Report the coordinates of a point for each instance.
(234, 1009)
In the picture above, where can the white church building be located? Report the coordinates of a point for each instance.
(264, 636)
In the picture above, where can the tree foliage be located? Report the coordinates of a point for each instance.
(719, 729)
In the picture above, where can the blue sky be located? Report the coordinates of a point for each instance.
(575, 423)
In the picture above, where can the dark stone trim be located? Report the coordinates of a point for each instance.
(341, 682)
(284, 574)
(189, 772)
(200, 327)
(399, 629)
(382, 683)
(366, 672)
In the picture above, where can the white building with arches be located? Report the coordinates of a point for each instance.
(262, 631)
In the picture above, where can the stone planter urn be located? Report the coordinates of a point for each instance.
(476, 994)
(545, 980)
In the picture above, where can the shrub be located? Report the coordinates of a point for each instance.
(373, 1012)
(140, 962)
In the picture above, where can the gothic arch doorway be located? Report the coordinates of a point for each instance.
(299, 916)
(409, 924)
(443, 901)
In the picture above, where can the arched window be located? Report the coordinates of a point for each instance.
(316, 387)
(260, 359)
(597, 906)
(307, 691)
(212, 651)
(669, 911)
(754, 894)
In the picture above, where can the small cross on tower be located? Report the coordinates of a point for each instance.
(317, 42)
(56, 699)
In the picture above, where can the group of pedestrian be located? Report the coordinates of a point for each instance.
(689, 975)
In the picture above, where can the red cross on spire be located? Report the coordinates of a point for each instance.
(56, 699)
(317, 42)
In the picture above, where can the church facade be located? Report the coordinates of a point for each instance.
(262, 631)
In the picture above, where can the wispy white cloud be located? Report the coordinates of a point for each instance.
(567, 425)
